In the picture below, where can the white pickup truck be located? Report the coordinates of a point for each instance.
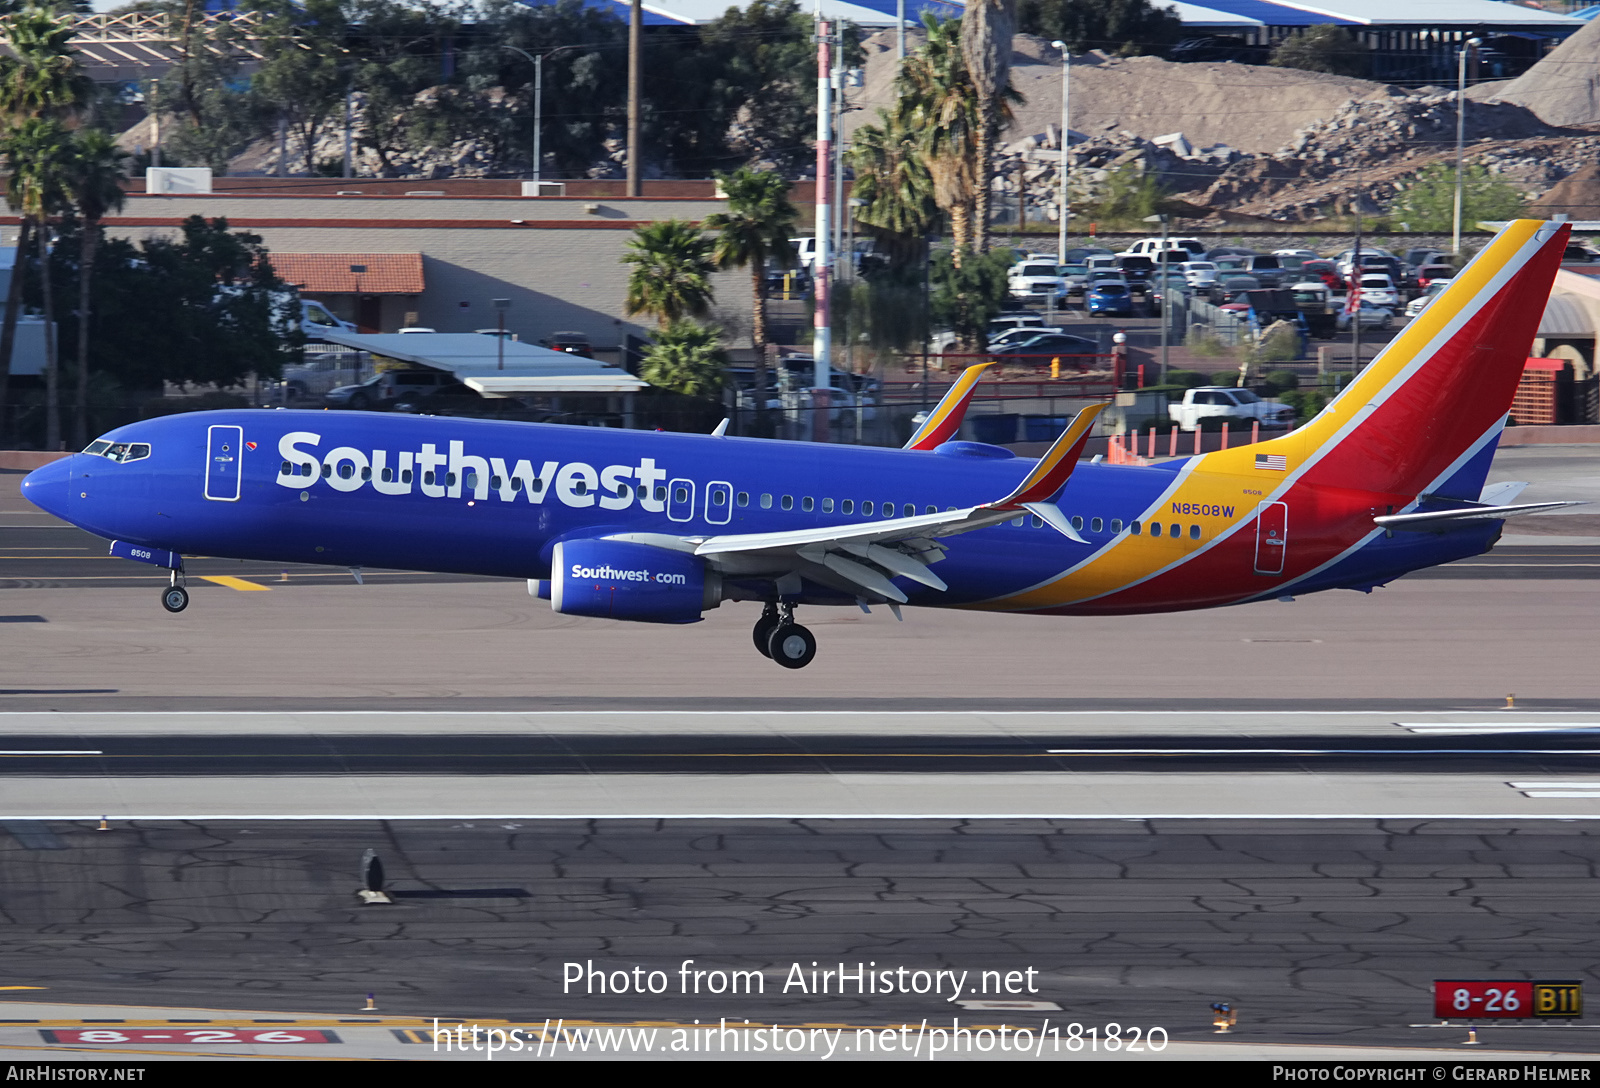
(1223, 402)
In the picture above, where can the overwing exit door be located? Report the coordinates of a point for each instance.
(1272, 537)
(223, 445)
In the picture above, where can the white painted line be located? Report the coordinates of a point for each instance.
(1448, 728)
(1323, 751)
(49, 752)
(707, 713)
(1550, 785)
(1122, 817)
(1561, 793)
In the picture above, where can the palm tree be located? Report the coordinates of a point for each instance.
(893, 184)
(937, 100)
(686, 358)
(40, 185)
(40, 79)
(987, 27)
(754, 230)
(98, 168)
(671, 275)
(43, 77)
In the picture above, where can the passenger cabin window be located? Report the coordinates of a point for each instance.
(848, 506)
(679, 494)
(719, 497)
(1036, 522)
(788, 502)
(744, 498)
(1194, 532)
(766, 501)
(827, 506)
(1097, 525)
(866, 509)
(808, 504)
(1116, 525)
(1155, 528)
(1077, 522)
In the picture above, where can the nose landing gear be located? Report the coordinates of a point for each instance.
(175, 598)
(777, 636)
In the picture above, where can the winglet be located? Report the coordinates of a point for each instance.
(1051, 473)
(945, 419)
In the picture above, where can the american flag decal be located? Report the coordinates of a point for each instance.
(1275, 462)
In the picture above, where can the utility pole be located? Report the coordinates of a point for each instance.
(899, 34)
(635, 30)
(1066, 141)
(349, 93)
(1461, 132)
(822, 264)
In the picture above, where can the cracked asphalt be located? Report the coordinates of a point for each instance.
(1320, 931)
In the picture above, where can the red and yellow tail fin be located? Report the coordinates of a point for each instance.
(945, 419)
(1436, 397)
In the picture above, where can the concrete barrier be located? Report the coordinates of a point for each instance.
(27, 460)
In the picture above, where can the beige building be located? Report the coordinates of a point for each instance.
(438, 253)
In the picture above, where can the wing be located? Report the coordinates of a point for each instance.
(862, 557)
(945, 419)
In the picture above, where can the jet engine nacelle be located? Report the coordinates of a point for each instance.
(613, 580)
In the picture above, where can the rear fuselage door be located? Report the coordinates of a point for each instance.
(223, 445)
(1272, 537)
(680, 500)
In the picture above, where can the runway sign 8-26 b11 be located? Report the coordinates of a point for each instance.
(1479, 999)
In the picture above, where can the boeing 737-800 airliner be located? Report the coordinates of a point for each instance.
(658, 527)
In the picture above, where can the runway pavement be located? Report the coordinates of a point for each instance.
(1311, 810)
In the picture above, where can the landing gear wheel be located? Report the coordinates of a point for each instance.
(791, 646)
(174, 598)
(764, 628)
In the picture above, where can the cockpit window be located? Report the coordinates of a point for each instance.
(119, 451)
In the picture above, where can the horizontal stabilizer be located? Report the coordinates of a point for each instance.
(1502, 493)
(1443, 519)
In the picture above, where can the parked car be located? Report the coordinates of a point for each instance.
(1435, 289)
(315, 319)
(1227, 403)
(1108, 298)
(1372, 317)
(1232, 288)
(1040, 350)
(392, 388)
(1151, 247)
(1024, 319)
(1198, 274)
(573, 343)
(321, 372)
(1428, 273)
(1035, 280)
(1379, 290)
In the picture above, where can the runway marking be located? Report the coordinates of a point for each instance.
(1557, 789)
(1113, 817)
(58, 715)
(234, 583)
(1485, 728)
(51, 752)
(1316, 752)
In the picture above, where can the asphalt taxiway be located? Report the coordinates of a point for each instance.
(1310, 810)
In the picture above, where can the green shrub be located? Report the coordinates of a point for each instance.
(1185, 379)
(1279, 381)
(1225, 377)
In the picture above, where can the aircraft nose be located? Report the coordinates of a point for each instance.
(49, 487)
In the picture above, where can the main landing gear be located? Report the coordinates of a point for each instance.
(777, 636)
(175, 598)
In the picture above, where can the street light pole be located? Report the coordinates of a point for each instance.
(1066, 141)
(1461, 132)
(1166, 313)
(538, 102)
